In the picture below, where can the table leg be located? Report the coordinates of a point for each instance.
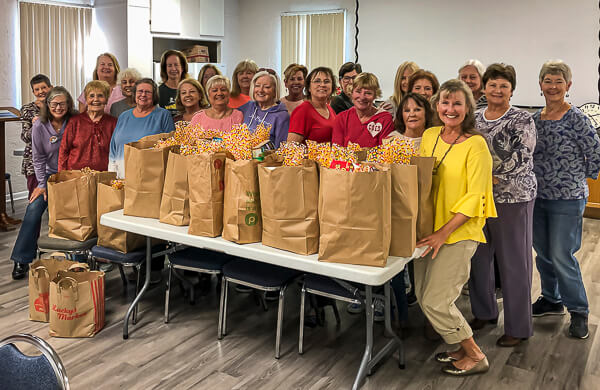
(364, 364)
(142, 290)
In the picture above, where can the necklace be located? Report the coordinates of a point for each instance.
(435, 168)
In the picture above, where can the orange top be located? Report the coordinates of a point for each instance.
(238, 101)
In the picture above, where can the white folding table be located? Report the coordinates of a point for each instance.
(368, 276)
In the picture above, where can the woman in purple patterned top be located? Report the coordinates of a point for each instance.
(567, 152)
(510, 134)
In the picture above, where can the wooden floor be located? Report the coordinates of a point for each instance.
(185, 354)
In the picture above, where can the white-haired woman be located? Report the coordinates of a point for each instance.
(126, 79)
(471, 72)
(219, 116)
(265, 108)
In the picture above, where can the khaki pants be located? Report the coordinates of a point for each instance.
(438, 284)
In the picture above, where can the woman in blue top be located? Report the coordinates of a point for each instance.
(265, 107)
(46, 135)
(567, 152)
(146, 118)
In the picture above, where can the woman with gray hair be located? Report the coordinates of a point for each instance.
(471, 72)
(567, 152)
(46, 136)
(265, 108)
(219, 116)
(126, 79)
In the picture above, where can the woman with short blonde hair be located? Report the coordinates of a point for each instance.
(363, 123)
(219, 116)
(190, 99)
(293, 78)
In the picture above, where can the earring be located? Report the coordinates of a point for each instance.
(541, 93)
(567, 94)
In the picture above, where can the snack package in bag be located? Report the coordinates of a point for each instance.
(241, 207)
(289, 198)
(355, 216)
(41, 272)
(175, 202)
(72, 203)
(110, 198)
(206, 181)
(145, 168)
(77, 304)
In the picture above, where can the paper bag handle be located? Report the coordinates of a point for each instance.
(71, 281)
(39, 269)
(75, 267)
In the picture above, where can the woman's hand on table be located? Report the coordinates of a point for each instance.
(38, 192)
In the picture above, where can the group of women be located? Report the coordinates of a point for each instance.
(504, 181)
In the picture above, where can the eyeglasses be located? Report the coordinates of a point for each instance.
(323, 82)
(57, 105)
(268, 70)
(348, 78)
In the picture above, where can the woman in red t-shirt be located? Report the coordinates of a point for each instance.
(363, 124)
(313, 120)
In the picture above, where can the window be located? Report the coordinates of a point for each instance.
(53, 43)
(313, 39)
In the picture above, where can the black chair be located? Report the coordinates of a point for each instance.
(193, 259)
(70, 248)
(10, 191)
(19, 371)
(131, 259)
(325, 287)
(260, 276)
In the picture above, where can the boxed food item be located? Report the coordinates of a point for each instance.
(197, 53)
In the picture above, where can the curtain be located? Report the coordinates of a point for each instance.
(53, 43)
(313, 40)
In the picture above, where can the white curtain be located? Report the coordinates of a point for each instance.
(53, 43)
(313, 40)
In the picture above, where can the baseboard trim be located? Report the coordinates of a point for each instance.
(17, 196)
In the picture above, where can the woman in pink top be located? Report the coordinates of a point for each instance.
(107, 69)
(219, 116)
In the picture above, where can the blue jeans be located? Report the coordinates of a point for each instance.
(399, 290)
(25, 249)
(557, 226)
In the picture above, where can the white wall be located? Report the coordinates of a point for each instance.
(9, 87)
(440, 35)
(109, 32)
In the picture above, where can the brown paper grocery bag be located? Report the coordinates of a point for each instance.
(72, 204)
(175, 202)
(355, 216)
(206, 181)
(156, 137)
(111, 199)
(41, 272)
(425, 214)
(144, 178)
(241, 205)
(289, 199)
(405, 206)
(76, 304)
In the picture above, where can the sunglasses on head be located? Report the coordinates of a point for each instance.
(268, 70)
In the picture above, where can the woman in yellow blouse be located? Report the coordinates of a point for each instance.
(463, 199)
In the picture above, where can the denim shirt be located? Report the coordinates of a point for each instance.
(567, 152)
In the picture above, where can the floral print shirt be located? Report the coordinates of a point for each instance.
(567, 152)
(511, 139)
(28, 112)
